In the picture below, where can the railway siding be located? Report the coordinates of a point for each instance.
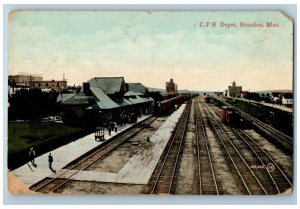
(275, 181)
(139, 167)
(165, 176)
(284, 141)
(74, 150)
(250, 181)
(188, 170)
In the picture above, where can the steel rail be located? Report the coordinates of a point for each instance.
(198, 149)
(261, 161)
(119, 142)
(198, 114)
(260, 149)
(179, 150)
(134, 131)
(271, 129)
(180, 126)
(232, 145)
(270, 158)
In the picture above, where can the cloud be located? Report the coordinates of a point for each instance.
(150, 53)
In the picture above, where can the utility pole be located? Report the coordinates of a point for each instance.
(30, 80)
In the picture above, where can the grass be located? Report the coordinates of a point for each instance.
(22, 136)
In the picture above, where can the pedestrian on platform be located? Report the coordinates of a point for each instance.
(32, 156)
(112, 125)
(116, 127)
(50, 161)
(122, 120)
(109, 130)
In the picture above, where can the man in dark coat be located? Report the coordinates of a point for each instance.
(50, 160)
(32, 156)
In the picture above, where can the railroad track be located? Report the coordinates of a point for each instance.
(273, 178)
(279, 179)
(250, 181)
(207, 178)
(64, 176)
(164, 178)
(284, 139)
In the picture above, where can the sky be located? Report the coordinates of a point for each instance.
(152, 47)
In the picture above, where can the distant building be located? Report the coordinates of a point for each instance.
(287, 99)
(234, 91)
(171, 87)
(244, 93)
(52, 85)
(21, 81)
(276, 97)
(34, 81)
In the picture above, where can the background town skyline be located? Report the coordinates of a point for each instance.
(152, 47)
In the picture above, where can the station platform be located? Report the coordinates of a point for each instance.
(63, 155)
(139, 168)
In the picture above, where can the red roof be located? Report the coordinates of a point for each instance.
(244, 92)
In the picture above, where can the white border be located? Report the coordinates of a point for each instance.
(108, 5)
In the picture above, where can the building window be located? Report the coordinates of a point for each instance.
(33, 84)
(47, 84)
(39, 85)
(57, 84)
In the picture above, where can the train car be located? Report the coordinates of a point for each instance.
(207, 99)
(166, 107)
(230, 115)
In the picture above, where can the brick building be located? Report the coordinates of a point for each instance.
(23, 80)
(53, 85)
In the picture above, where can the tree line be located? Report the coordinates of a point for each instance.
(32, 104)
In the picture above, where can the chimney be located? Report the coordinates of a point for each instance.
(86, 88)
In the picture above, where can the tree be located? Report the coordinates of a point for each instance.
(32, 104)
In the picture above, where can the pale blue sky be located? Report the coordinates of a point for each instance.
(151, 47)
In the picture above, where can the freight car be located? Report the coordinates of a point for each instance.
(230, 115)
(166, 107)
(207, 99)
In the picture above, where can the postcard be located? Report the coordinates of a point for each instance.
(150, 102)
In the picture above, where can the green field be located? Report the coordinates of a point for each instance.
(22, 136)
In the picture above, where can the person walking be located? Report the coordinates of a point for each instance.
(32, 156)
(50, 160)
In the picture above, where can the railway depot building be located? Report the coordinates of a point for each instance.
(102, 100)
